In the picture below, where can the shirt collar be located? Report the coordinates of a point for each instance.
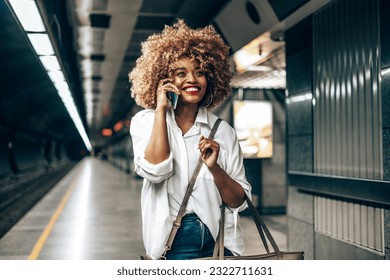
(202, 116)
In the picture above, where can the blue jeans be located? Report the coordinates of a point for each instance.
(192, 240)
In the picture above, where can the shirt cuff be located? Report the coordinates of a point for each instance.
(235, 211)
(154, 172)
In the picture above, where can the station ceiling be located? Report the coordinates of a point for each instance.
(98, 43)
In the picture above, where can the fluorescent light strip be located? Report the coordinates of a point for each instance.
(50, 62)
(62, 86)
(41, 43)
(56, 76)
(29, 17)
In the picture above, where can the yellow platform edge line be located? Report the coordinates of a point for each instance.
(49, 227)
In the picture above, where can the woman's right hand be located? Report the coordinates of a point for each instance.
(158, 150)
(165, 86)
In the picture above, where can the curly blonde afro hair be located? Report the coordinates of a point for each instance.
(160, 51)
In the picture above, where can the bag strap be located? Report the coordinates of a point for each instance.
(190, 187)
(261, 228)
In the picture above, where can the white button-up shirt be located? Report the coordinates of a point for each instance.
(165, 183)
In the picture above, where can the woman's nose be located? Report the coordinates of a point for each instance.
(191, 77)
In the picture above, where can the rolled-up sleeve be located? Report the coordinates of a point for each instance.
(234, 163)
(154, 172)
(234, 166)
(140, 131)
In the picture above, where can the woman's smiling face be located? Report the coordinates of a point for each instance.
(190, 79)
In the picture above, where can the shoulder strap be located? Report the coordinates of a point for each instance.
(190, 187)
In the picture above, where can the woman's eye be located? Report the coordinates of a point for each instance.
(180, 74)
(200, 73)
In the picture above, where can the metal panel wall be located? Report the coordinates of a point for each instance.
(355, 223)
(347, 105)
(347, 116)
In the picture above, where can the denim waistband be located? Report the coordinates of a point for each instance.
(189, 216)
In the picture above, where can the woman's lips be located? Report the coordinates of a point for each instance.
(192, 90)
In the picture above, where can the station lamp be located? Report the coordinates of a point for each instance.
(30, 19)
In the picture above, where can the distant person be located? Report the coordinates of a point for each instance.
(167, 143)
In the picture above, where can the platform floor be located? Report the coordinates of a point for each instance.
(94, 213)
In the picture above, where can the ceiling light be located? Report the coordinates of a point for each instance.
(85, 41)
(244, 59)
(64, 93)
(259, 68)
(28, 15)
(87, 84)
(69, 104)
(255, 53)
(41, 44)
(89, 105)
(86, 68)
(56, 76)
(50, 62)
(106, 131)
(118, 126)
(62, 86)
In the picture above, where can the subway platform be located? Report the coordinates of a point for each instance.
(94, 213)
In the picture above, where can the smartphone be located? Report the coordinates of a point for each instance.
(173, 97)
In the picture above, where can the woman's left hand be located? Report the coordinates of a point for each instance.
(231, 191)
(209, 151)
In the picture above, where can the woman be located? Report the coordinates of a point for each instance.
(167, 142)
